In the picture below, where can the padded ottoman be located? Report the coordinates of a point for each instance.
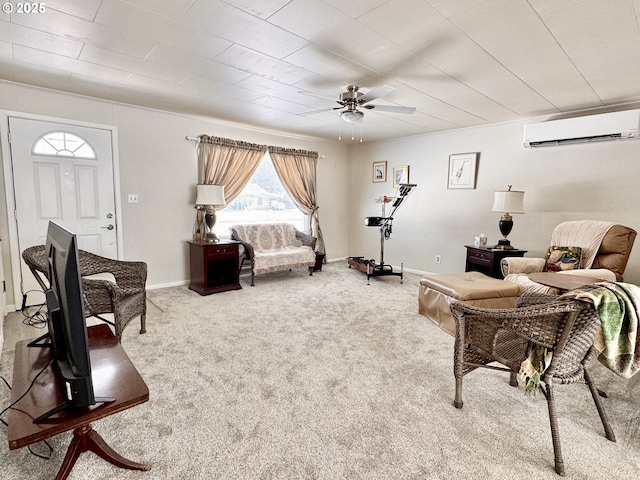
(438, 291)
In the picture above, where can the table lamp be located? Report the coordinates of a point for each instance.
(508, 202)
(209, 197)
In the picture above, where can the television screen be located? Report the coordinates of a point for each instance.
(66, 319)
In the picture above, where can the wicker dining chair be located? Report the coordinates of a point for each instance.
(126, 298)
(566, 327)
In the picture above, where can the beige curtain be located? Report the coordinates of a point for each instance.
(227, 162)
(297, 172)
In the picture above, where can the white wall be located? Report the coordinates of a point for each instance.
(596, 181)
(159, 164)
(587, 181)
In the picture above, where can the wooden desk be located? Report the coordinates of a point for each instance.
(113, 375)
(563, 282)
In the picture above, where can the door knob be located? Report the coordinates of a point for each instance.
(109, 227)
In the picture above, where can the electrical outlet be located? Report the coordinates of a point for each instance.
(438, 258)
(132, 198)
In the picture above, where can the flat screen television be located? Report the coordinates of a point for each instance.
(67, 328)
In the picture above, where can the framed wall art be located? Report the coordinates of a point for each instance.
(400, 175)
(379, 171)
(462, 170)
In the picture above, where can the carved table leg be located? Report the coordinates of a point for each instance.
(87, 439)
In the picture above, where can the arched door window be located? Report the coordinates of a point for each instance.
(63, 144)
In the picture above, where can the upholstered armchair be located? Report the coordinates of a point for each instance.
(582, 247)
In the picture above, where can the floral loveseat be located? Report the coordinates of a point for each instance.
(271, 247)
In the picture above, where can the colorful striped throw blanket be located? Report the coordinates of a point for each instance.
(617, 341)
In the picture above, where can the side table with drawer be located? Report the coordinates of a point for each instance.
(487, 260)
(214, 267)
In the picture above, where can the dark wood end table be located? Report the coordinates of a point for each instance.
(214, 267)
(487, 260)
(113, 375)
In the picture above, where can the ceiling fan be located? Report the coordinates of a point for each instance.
(353, 99)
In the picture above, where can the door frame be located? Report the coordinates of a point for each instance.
(10, 202)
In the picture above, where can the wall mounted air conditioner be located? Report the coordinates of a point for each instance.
(591, 128)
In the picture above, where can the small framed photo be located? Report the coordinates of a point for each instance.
(400, 175)
(462, 170)
(380, 171)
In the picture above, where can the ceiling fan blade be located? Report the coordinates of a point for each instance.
(391, 108)
(319, 111)
(375, 93)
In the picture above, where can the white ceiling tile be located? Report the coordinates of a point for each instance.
(517, 30)
(5, 49)
(448, 8)
(280, 104)
(318, 22)
(270, 87)
(86, 9)
(59, 62)
(411, 23)
(132, 64)
(10, 32)
(257, 63)
(461, 63)
(260, 8)
(604, 44)
(329, 64)
(548, 7)
(431, 81)
(123, 16)
(190, 63)
(355, 8)
(75, 28)
(168, 8)
(220, 89)
(239, 27)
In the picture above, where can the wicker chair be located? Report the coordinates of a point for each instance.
(564, 326)
(126, 298)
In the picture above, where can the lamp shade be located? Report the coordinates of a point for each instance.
(508, 201)
(210, 195)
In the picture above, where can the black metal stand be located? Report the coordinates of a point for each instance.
(370, 267)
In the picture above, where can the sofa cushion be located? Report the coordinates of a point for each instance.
(562, 258)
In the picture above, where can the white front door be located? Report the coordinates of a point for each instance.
(64, 173)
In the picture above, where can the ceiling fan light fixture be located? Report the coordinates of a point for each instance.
(351, 116)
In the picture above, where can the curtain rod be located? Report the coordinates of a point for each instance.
(191, 138)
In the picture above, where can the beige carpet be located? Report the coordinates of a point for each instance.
(325, 377)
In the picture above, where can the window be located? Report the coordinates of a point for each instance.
(63, 144)
(263, 200)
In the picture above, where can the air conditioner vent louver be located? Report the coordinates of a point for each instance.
(593, 128)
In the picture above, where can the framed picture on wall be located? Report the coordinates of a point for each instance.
(462, 170)
(379, 171)
(400, 175)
